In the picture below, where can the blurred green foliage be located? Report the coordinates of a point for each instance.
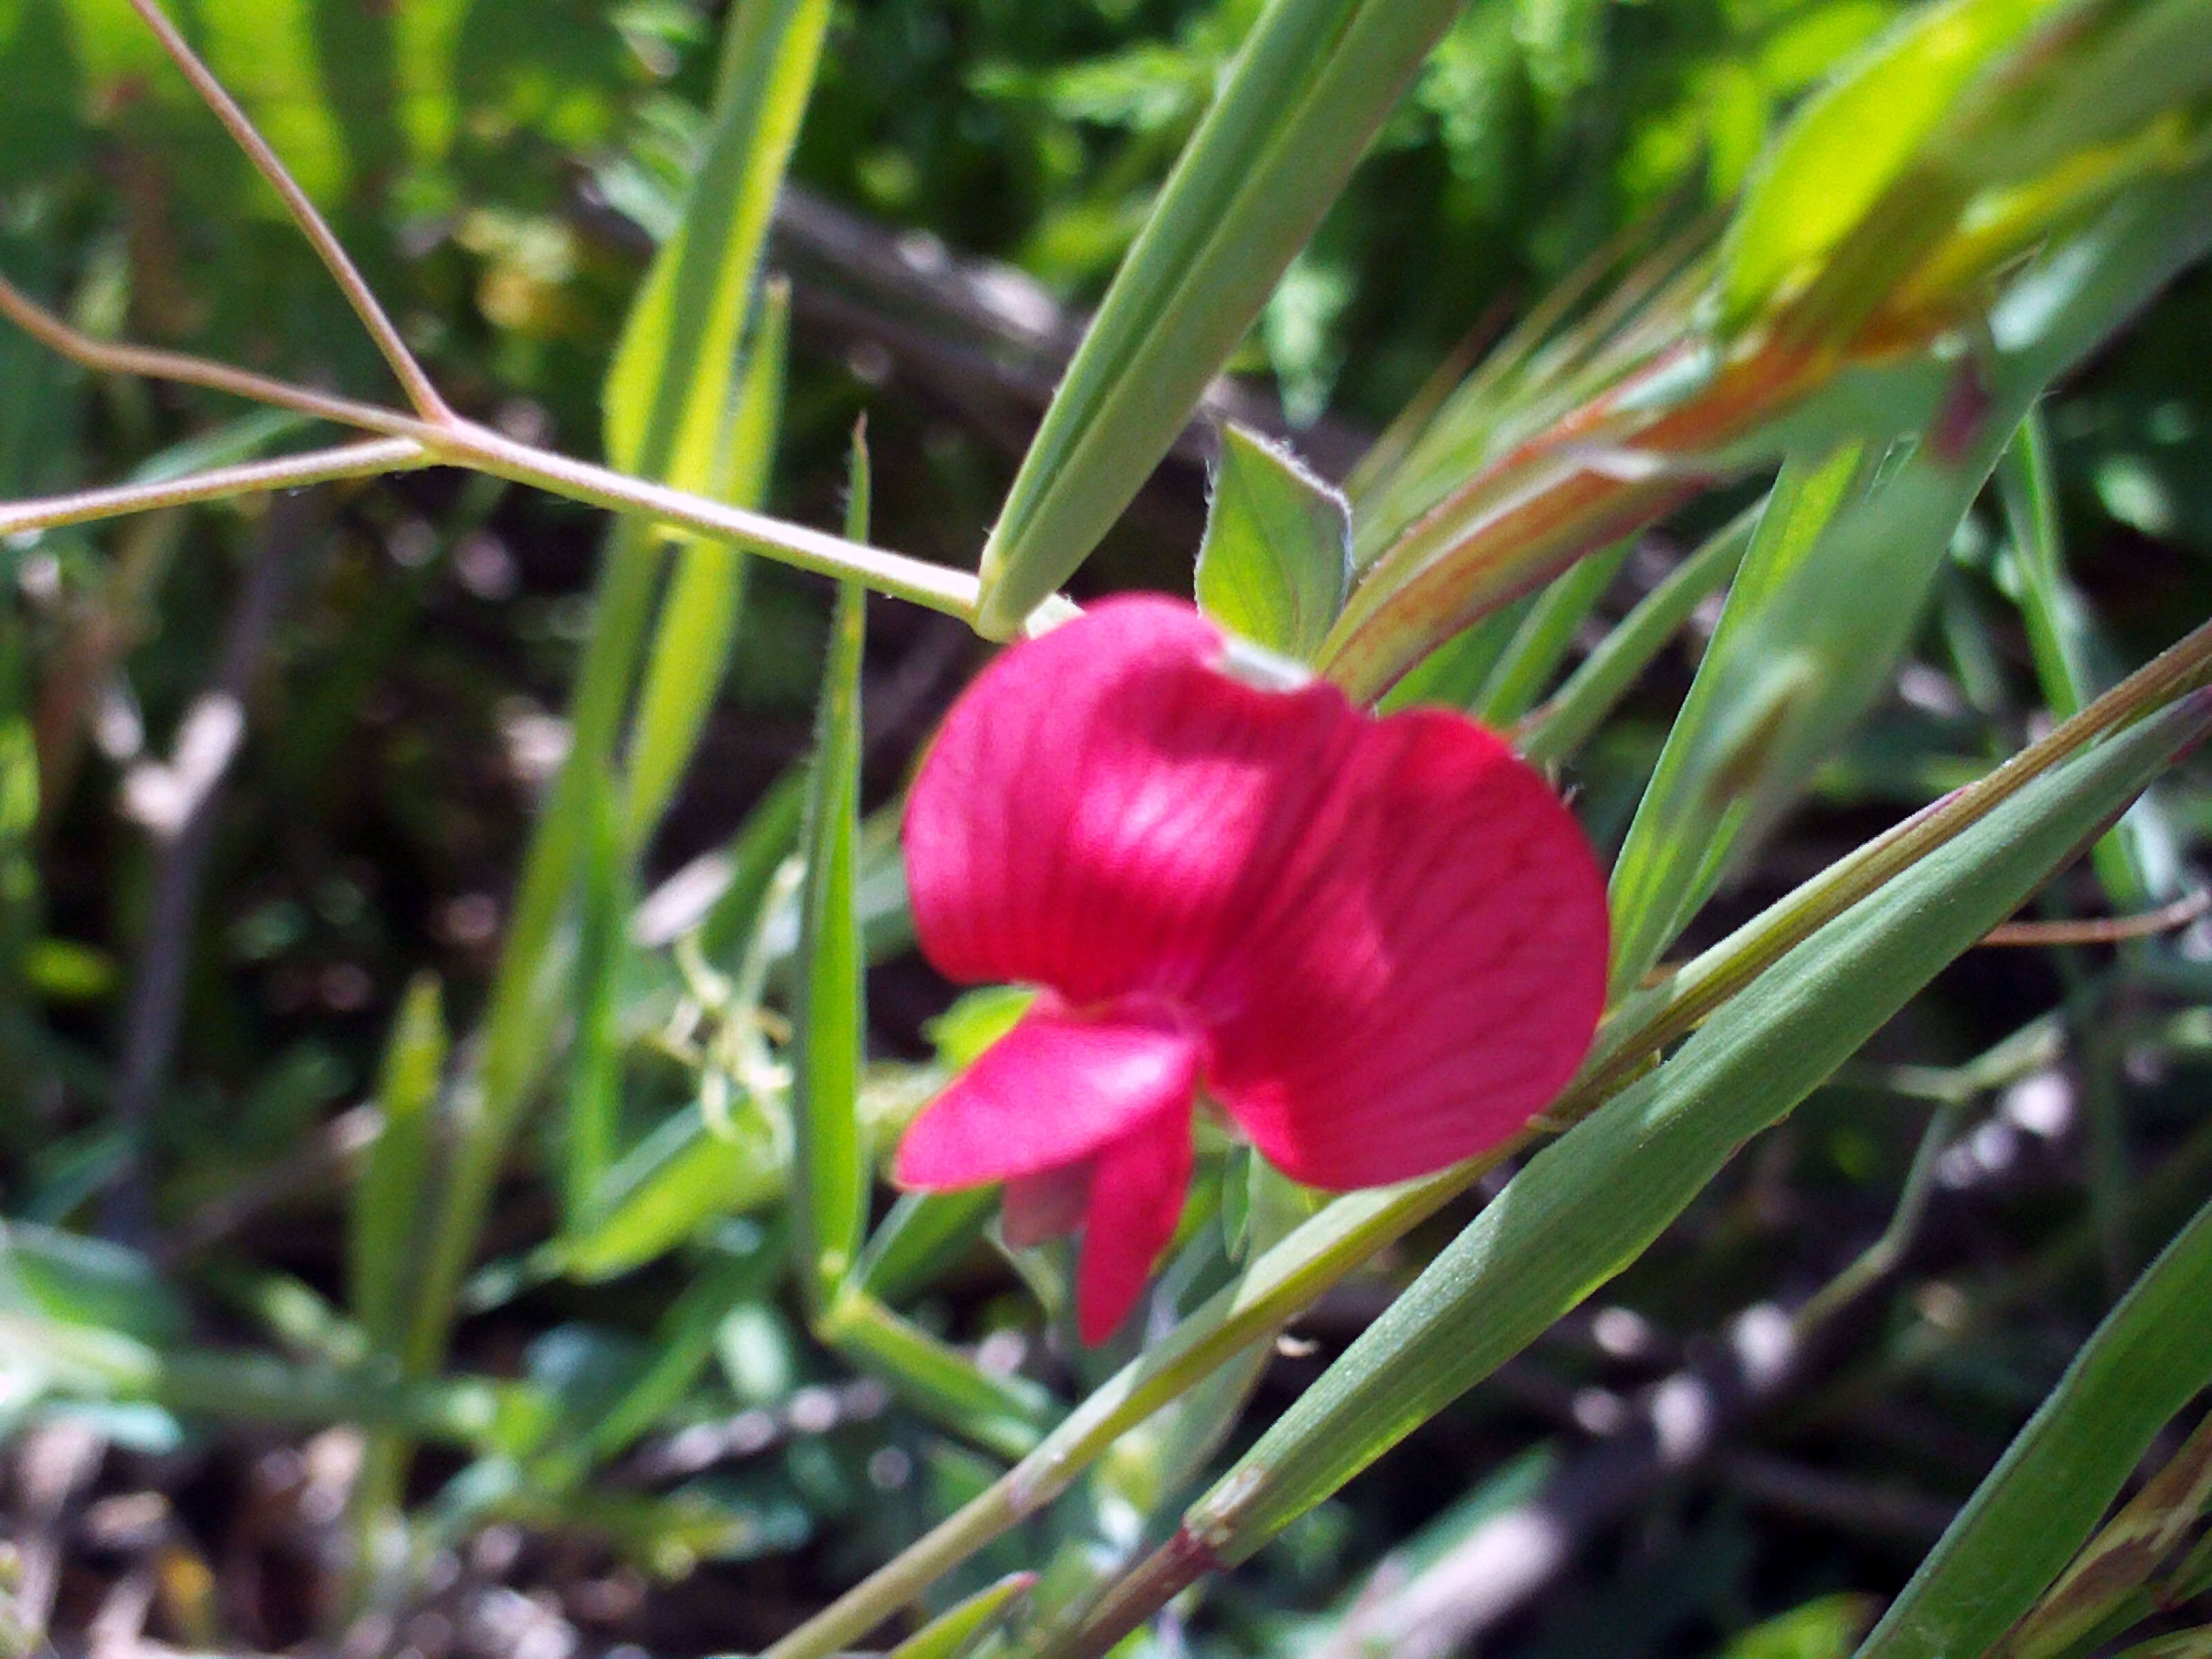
(500, 168)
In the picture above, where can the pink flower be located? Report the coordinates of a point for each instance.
(1380, 944)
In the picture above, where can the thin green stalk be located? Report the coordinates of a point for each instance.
(1545, 635)
(354, 460)
(416, 384)
(456, 443)
(1565, 723)
(1873, 1262)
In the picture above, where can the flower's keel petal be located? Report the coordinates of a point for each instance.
(1050, 1093)
(1048, 1205)
(1423, 970)
(1098, 803)
(1136, 1197)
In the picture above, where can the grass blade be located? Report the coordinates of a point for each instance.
(2138, 1370)
(2062, 639)
(1006, 1415)
(1314, 81)
(668, 391)
(690, 654)
(957, 1631)
(1755, 668)
(593, 1107)
(669, 1186)
(388, 1206)
(829, 1163)
(1566, 722)
(924, 1234)
(1545, 635)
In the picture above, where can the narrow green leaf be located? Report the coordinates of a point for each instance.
(683, 1341)
(955, 1631)
(1752, 672)
(2138, 1369)
(925, 1234)
(1590, 1203)
(1314, 81)
(2062, 639)
(1848, 144)
(670, 1185)
(829, 1166)
(592, 1111)
(1452, 675)
(1594, 689)
(2110, 1573)
(667, 390)
(1545, 635)
(388, 1203)
(762, 843)
(690, 654)
(1276, 559)
(1007, 1415)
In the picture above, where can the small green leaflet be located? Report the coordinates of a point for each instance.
(1276, 562)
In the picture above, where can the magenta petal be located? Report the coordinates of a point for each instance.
(1052, 1092)
(1426, 969)
(1048, 1205)
(1137, 1186)
(1097, 803)
(1390, 935)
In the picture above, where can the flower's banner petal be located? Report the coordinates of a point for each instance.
(1048, 1205)
(1422, 973)
(1392, 933)
(1136, 1198)
(1051, 1092)
(1096, 804)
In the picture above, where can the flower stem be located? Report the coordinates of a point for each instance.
(420, 392)
(452, 441)
(313, 466)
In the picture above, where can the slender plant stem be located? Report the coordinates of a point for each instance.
(152, 363)
(420, 392)
(315, 466)
(1875, 1261)
(2105, 930)
(452, 441)
(934, 586)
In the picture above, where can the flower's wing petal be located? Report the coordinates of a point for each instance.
(1048, 1205)
(1136, 1188)
(1051, 1092)
(1421, 973)
(1096, 804)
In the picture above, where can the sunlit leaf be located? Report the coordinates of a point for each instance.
(1277, 557)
